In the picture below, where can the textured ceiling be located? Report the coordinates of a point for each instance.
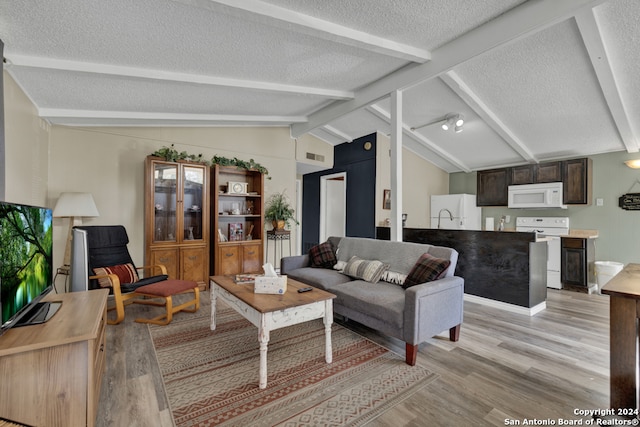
(535, 80)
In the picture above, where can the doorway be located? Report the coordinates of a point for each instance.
(333, 205)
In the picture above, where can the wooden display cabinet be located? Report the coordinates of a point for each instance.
(51, 373)
(177, 218)
(237, 212)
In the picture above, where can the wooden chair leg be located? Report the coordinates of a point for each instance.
(411, 356)
(119, 308)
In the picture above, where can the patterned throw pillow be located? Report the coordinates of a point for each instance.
(322, 256)
(426, 269)
(370, 271)
(125, 272)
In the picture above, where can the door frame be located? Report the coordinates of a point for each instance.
(323, 202)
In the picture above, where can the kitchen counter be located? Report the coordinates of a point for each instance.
(582, 234)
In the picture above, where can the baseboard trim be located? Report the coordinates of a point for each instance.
(528, 311)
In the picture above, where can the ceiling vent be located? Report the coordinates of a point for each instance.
(317, 157)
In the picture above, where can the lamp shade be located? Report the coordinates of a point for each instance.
(75, 204)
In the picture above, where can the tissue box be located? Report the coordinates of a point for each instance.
(270, 285)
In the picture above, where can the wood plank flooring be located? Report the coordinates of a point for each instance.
(505, 368)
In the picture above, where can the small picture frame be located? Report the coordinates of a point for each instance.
(386, 199)
(236, 232)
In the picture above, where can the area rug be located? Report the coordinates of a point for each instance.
(211, 377)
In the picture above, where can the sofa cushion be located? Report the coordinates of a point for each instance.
(426, 269)
(319, 277)
(384, 301)
(323, 255)
(369, 270)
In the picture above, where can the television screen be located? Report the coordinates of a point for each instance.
(26, 273)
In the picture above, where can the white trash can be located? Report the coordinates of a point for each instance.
(605, 270)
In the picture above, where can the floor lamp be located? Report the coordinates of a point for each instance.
(74, 206)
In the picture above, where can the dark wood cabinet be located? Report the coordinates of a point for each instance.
(493, 184)
(492, 187)
(577, 262)
(576, 179)
(519, 175)
(548, 172)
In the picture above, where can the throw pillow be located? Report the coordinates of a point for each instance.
(394, 277)
(370, 271)
(125, 272)
(322, 255)
(426, 269)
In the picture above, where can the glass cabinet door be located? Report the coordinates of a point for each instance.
(165, 202)
(193, 196)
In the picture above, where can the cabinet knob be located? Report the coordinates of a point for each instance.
(164, 259)
(252, 252)
(228, 254)
(193, 258)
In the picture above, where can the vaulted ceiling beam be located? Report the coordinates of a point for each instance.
(287, 19)
(522, 21)
(154, 74)
(456, 84)
(590, 31)
(337, 133)
(215, 119)
(384, 115)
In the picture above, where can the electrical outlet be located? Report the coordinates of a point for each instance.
(599, 201)
(507, 219)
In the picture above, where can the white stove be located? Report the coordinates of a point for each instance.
(544, 226)
(550, 228)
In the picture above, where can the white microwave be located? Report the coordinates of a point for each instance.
(536, 196)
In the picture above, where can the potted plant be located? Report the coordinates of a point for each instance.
(278, 210)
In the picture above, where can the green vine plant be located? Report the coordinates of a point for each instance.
(170, 154)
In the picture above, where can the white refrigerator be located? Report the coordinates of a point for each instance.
(456, 212)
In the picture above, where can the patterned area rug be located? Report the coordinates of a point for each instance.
(211, 377)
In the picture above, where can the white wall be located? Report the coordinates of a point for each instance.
(109, 163)
(420, 179)
(26, 148)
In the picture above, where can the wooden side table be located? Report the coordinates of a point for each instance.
(277, 236)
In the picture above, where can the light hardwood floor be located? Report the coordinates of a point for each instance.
(506, 367)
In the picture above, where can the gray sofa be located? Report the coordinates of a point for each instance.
(413, 315)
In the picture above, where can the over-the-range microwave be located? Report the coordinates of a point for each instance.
(536, 196)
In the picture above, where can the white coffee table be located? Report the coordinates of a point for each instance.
(270, 312)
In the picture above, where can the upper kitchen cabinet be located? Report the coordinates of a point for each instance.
(177, 218)
(576, 178)
(492, 187)
(535, 174)
(521, 175)
(548, 172)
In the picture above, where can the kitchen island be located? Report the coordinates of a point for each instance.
(504, 269)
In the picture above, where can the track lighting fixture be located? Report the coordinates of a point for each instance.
(451, 120)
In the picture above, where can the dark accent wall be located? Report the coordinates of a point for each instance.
(360, 167)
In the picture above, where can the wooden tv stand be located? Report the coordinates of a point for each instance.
(50, 374)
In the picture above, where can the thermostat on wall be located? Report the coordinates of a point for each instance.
(237, 187)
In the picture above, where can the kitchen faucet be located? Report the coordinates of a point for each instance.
(439, 214)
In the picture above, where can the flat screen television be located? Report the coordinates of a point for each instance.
(26, 260)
